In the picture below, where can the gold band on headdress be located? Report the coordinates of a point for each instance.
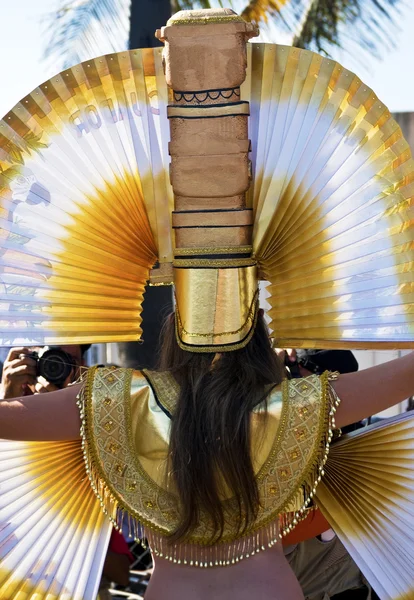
(203, 320)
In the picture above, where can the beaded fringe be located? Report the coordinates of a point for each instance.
(221, 554)
(289, 519)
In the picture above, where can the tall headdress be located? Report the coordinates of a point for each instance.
(290, 170)
(215, 276)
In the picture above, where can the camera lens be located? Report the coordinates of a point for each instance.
(55, 365)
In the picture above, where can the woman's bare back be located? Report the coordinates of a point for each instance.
(266, 576)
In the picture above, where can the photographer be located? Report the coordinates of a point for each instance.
(28, 371)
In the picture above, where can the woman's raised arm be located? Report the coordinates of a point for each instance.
(372, 390)
(43, 417)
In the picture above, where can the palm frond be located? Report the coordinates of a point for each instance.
(84, 28)
(320, 25)
(80, 29)
(353, 25)
(194, 4)
(262, 10)
(266, 12)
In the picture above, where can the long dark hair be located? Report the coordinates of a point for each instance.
(210, 429)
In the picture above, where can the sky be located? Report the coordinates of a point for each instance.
(23, 39)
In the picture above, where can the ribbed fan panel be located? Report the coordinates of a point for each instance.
(85, 201)
(367, 494)
(53, 533)
(333, 198)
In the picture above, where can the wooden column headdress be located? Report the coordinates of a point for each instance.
(215, 277)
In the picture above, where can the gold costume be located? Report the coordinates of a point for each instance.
(126, 443)
(210, 165)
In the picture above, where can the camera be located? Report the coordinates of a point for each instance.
(54, 364)
(302, 360)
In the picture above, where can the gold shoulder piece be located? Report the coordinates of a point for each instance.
(124, 477)
(115, 471)
(294, 468)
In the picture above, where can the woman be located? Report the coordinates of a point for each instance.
(214, 457)
(210, 443)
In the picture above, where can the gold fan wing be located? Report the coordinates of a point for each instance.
(85, 201)
(367, 494)
(54, 535)
(333, 194)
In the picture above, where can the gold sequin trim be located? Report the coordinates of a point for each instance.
(216, 262)
(219, 250)
(206, 20)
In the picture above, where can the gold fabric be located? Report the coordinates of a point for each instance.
(202, 315)
(127, 439)
(219, 250)
(367, 495)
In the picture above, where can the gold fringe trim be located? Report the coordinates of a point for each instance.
(110, 500)
(107, 500)
(330, 403)
(223, 553)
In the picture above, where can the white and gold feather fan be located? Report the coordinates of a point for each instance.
(367, 494)
(86, 202)
(53, 533)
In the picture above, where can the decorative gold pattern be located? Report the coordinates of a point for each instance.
(218, 250)
(209, 263)
(108, 425)
(165, 387)
(206, 20)
(113, 448)
(286, 485)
